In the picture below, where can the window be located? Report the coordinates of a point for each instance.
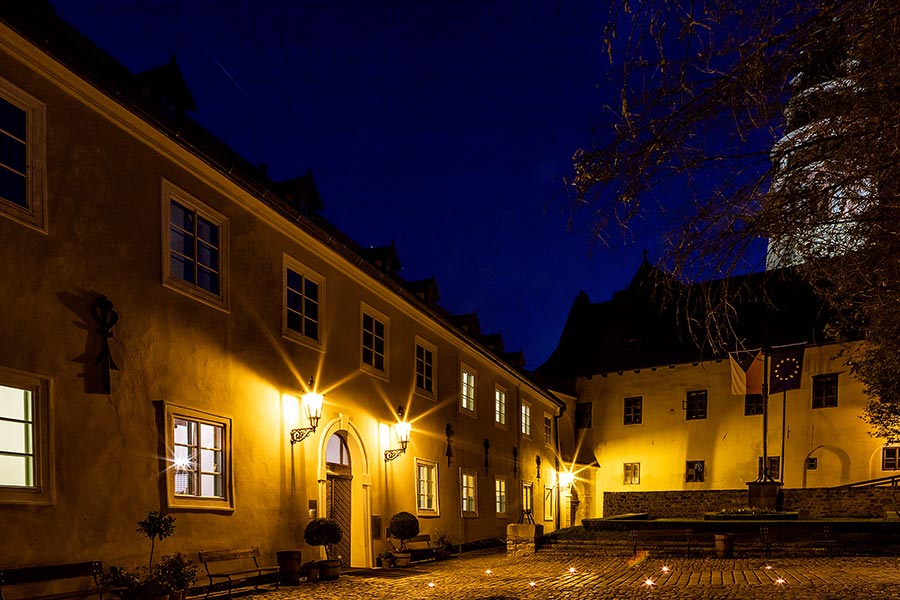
(632, 473)
(304, 295)
(695, 405)
(500, 496)
(22, 138)
(812, 463)
(633, 408)
(526, 419)
(774, 464)
(196, 237)
(469, 493)
(753, 404)
(374, 344)
(825, 391)
(198, 473)
(890, 458)
(583, 412)
(500, 406)
(548, 429)
(694, 471)
(426, 487)
(528, 497)
(24, 437)
(424, 367)
(467, 389)
(549, 503)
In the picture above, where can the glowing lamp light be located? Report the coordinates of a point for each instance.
(780, 581)
(649, 582)
(312, 407)
(566, 479)
(401, 430)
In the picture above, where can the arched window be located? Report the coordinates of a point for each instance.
(337, 455)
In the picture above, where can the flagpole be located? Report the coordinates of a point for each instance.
(765, 395)
(783, 429)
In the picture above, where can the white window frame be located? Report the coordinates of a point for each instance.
(528, 496)
(548, 429)
(170, 192)
(635, 478)
(427, 346)
(432, 467)
(525, 419)
(468, 476)
(34, 214)
(465, 369)
(549, 503)
(501, 497)
(501, 403)
(41, 492)
(290, 263)
(175, 501)
(364, 310)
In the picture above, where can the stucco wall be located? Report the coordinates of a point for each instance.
(811, 503)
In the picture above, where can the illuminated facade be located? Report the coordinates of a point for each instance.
(164, 308)
(647, 411)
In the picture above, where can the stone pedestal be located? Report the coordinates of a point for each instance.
(522, 539)
(763, 494)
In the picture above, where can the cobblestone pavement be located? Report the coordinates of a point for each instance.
(546, 575)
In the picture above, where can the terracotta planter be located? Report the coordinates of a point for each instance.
(330, 569)
(403, 559)
(312, 574)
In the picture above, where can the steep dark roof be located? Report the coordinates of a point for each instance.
(640, 327)
(165, 85)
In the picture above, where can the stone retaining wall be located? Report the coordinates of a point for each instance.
(811, 503)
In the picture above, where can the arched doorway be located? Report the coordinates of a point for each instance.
(344, 485)
(339, 491)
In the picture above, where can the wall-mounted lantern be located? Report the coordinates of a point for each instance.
(312, 407)
(401, 430)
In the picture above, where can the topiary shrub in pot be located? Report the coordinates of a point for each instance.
(326, 533)
(403, 526)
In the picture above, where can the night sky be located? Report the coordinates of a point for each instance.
(446, 127)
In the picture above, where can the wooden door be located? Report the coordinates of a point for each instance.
(338, 508)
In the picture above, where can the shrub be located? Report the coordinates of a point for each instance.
(403, 526)
(323, 532)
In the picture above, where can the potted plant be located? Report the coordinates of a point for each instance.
(403, 526)
(176, 572)
(440, 539)
(310, 570)
(145, 582)
(326, 533)
(386, 560)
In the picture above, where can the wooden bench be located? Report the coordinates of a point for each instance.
(240, 557)
(661, 538)
(796, 538)
(83, 578)
(419, 547)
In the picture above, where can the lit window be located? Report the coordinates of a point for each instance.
(528, 497)
(632, 473)
(633, 407)
(695, 405)
(583, 412)
(425, 368)
(774, 467)
(426, 487)
(24, 435)
(526, 418)
(375, 329)
(549, 503)
(500, 496)
(548, 429)
(196, 240)
(694, 471)
(825, 391)
(199, 469)
(500, 406)
(22, 133)
(469, 493)
(753, 404)
(467, 390)
(303, 304)
(890, 458)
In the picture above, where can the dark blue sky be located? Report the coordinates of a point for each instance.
(447, 127)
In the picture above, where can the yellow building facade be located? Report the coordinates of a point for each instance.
(165, 307)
